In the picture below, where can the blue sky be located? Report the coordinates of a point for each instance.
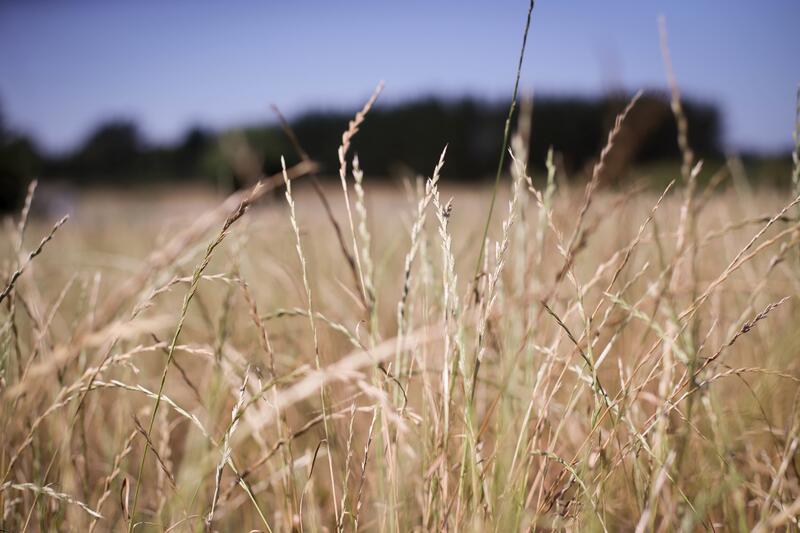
(65, 65)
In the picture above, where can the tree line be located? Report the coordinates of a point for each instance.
(396, 140)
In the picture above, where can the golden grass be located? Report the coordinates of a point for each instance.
(602, 381)
(621, 360)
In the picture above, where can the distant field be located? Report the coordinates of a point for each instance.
(610, 370)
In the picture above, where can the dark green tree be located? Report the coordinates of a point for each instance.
(19, 161)
(113, 152)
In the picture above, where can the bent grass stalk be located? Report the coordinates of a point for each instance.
(196, 276)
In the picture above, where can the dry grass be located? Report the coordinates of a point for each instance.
(623, 360)
(609, 370)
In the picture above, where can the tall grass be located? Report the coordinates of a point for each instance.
(623, 360)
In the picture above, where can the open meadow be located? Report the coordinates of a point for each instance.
(624, 359)
(594, 343)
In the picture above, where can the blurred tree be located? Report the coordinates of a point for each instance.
(410, 136)
(402, 138)
(188, 156)
(19, 161)
(113, 151)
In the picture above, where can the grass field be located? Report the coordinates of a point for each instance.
(626, 360)
(376, 357)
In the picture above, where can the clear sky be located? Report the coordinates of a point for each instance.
(65, 65)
